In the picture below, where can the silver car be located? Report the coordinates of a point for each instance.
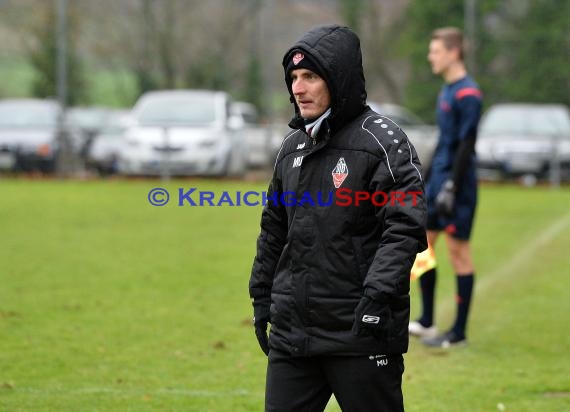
(107, 143)
(183, 132)
(263, 140)
(523, 139)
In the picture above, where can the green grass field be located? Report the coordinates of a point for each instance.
(110, 304)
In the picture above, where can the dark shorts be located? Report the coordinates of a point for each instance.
(460, 224)
(360, 383)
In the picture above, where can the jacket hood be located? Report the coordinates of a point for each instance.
(336, 51)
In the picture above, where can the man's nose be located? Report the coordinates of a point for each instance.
(298, 87)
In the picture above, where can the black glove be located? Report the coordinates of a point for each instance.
(260, 320)
(445, 200)
(371, 318)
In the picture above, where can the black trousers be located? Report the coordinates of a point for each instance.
(370, 383)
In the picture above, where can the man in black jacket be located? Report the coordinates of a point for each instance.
(344, 220)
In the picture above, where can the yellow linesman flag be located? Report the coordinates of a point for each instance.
(424, 261)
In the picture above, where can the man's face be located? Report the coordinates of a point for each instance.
(440, 57)
(311, 93)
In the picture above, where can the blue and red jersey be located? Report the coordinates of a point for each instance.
(458, 113)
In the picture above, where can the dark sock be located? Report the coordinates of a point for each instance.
(464, 292)
(427, 288)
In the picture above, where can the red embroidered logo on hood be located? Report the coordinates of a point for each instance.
(297, 58)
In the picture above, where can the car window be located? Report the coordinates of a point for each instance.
(116, 123)
(27, 115)
(177, 110)
(246, 112)
(527, 121)
(249, 118)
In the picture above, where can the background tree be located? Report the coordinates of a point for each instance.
(522, 50)
(351, 12)
(382, 66)
(537, 44)
(422, 18)
(120, 49)
(43, 58)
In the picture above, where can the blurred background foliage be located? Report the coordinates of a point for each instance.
(521, 48)
(120, 49)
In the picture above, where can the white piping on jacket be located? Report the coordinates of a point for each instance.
(377, 141)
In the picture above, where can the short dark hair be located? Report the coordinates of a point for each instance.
(452, 37)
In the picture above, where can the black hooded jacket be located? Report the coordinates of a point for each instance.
(315, 260)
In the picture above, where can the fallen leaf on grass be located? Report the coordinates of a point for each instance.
(219, 345)
(9, 314)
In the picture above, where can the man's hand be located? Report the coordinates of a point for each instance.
(371, 318)
(260, 320)
(445, 200)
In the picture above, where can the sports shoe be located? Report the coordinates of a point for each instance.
(446, 340)
(415, 328)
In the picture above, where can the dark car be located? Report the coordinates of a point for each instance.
(27, 134)
(523, 140)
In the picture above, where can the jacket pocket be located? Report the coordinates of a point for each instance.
(332, 314)
(279, 312)
(400, 308)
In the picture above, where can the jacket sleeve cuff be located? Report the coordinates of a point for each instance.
(375, 296)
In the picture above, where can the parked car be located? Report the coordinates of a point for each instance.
(523, 139)
(28, 135)
(90, 121)
(183, 132)
(103, 152)
(423, 136)
(263, 140)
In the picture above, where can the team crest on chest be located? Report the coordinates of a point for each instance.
(339, 173)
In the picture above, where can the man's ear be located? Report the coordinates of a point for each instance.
(456, 51)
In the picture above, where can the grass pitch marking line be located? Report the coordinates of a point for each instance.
(519, 259)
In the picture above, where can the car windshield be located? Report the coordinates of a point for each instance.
(526, 122)
(177, 110)
(99, 120)
(116, 123)
(28, 115)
